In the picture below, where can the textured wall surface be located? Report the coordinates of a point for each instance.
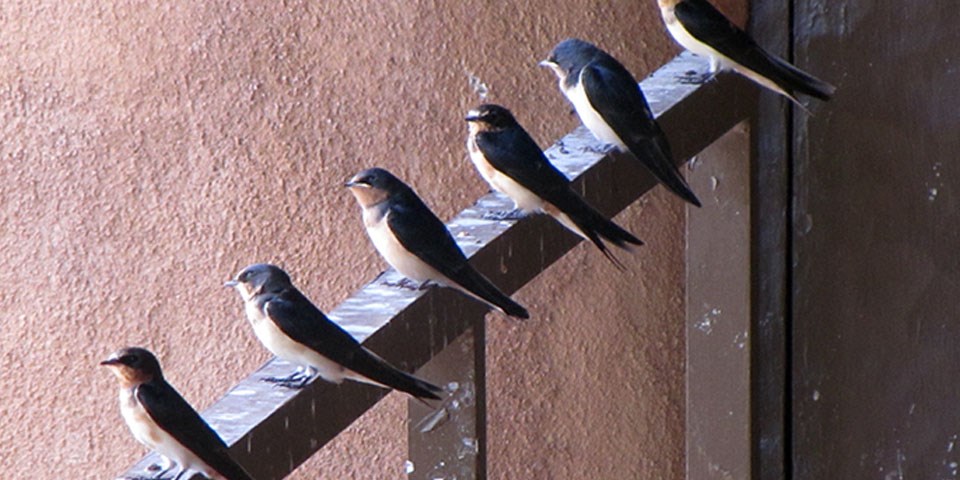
(151, 149)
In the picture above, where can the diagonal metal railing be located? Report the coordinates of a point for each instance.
(440, 333)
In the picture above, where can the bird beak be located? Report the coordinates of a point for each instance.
(354, 183)
(472, 116)
(230, 284)
(548, 63)
(110, 361)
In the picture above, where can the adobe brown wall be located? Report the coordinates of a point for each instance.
(149, 150)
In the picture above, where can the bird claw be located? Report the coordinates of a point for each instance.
(602, 149)
(161, 471)
(515, 214)
(693, 77)
(294, 381)
(407, 284)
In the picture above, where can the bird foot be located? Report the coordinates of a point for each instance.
(407, 284)
(692, 77)
(295, 381)
(515, 214)
(602, 148)
(161, 471)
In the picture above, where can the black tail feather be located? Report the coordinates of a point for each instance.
(597, 227)
(475, 284)
(381, 372)
(792, 79)
(656, 156)
(670, 177)
(416, 387)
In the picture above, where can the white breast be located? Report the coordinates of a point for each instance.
(523, 199)
(281, 345)
(590, 118)
(718, 61)
(147, 432)
(399, 258)
(680, 34)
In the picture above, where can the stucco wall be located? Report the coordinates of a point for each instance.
(150, 149)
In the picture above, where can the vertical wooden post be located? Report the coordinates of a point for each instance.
(770, 24)
(450, 441)
(718, 312)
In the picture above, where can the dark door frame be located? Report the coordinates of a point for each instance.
(772, 233)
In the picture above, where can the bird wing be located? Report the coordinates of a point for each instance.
(707, 24)
(615, 95)
(514, 152)
(176, 417)
(302, 321)
(424, 235)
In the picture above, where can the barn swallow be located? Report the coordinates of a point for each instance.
(291, 327)
(416, 243)
(699, 27)
(162, 420)
(512, 163)
(611, 105)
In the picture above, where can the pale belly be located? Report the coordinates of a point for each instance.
(147, 432)
(523, 199)
(283, 347)
(590, 118)
(692, 44)
(718, 61)
(398, 257)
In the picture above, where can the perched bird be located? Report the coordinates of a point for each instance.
(292, 328)
(611, 105)
(512, 163)
(416, 243)
(699, 27)
(162, 420)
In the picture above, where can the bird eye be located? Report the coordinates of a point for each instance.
(128, 359)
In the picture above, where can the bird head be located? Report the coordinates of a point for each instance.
(133, 366)
(259, 278)
(569, 56)
(490, 117)
(374, 185)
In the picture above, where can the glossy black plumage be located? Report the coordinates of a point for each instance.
(412, 239)
(508, 148)
(708, 25)
(175, 416)
(304, 323)
(615, 109)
